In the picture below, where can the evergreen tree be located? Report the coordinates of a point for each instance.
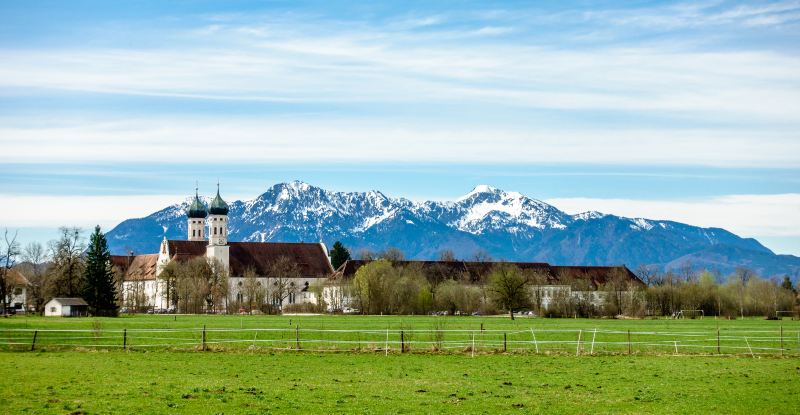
(787, 283)
(339, 255)
(99, 289)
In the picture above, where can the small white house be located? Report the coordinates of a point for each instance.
(66, 307)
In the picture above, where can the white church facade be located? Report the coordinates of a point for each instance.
(143, 288)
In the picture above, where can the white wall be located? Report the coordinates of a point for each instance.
(52, 309)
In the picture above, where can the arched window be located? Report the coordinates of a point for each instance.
(215, 230)
(193, 231)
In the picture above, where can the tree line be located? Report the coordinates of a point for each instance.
(388, 286)
(66, 267)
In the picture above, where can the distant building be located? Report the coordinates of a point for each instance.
(66, 307)
(18, 291)
(552, 282)
(207, 238)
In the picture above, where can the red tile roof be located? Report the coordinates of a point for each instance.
(309, 257)
(15, 278)
(477, 271)
(137, 267)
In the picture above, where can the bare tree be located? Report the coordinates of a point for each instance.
(447, 255)
(218, 286)
(35, 254)
(252, 289)
(8, 257)
(169, 277)
(647, 273)
(393, 254)
(67, 269)
(365, 254)
(742, 276)
(481, 255)
(282, 275)
(193, 285)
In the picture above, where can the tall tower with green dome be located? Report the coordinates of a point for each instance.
(218, 230)
(197, 219)
(218, 221)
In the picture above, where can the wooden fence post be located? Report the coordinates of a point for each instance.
(297, 336)
(781, 339)
(402, 342)
(629, 342)
(33, 343)
(578, 344)
(473, 344)
(204, 337)
(718, 348)
(124, 339)
(505, 343)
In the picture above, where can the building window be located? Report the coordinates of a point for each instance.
(193, 233)
(52, 309)
(215, 230)
(291, 298)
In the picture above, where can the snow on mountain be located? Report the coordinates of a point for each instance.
(592, 214)
(508, 225)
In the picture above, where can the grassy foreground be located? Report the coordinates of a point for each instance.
(286, 382)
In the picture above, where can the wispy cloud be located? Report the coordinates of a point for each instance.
(167, 140)
(715, 106)
(773, 215)
(83, 211)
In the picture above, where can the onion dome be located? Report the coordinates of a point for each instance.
(197, 210)
(218, 206)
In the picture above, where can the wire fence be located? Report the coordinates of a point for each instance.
(590, 341)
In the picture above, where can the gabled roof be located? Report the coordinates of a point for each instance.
(597, 276)
(137, 267)
(70, 301)
(310, 258)
(477, 271)
(15, 278)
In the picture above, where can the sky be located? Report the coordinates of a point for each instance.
(688, 111)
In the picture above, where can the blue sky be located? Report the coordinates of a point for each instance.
(670, 110)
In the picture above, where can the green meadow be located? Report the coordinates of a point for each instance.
(565, 376)
(452, 334)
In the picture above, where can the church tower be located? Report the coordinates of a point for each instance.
(197, 219)
(218, 230)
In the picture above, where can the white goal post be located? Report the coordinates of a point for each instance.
(794, 314)
(690, 314)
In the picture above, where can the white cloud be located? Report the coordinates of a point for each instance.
(296, 139)
(745, 102)
(772, 215)
(82, 211)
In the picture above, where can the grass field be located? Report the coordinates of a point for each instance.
(250, 379)
(410, 333)
(287, 382)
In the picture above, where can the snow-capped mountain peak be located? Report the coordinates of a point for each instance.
(508, 225)
(481, 189)
(589, 215)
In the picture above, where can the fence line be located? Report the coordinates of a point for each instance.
(564, 341)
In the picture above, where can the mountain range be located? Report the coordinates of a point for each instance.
(504, 225)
